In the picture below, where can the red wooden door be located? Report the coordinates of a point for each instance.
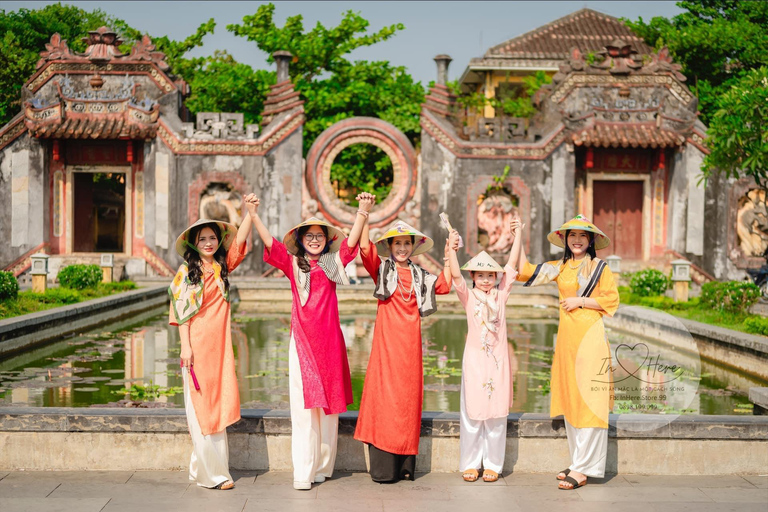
(618, 211)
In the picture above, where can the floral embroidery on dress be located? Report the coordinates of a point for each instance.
(485, 342)
(489, 388)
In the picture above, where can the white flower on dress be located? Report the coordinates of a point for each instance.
(489, 388)
(486, 345)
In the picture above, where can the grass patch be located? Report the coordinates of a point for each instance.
(30, 302)
(693, 310)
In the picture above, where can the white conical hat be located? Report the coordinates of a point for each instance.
(335, 235)
(421, 242)
(482, 262)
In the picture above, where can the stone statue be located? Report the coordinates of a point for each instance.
(752, 223)
(220, 202)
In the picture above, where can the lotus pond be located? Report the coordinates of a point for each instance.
(124, 365)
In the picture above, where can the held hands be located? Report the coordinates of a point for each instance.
(572, 303)
(365, 201)
(252, 204)
(453, 240)
(516, 226)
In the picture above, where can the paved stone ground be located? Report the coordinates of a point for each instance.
(169, 491)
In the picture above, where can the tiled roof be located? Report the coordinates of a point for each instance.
(92, 128)
(585, 29)
(627, 135)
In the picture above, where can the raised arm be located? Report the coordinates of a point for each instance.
(522, 260)
(253, 211)
(514, 253)
(453, 241)
(251, 202)
(451, 246)
(365, 239)
(366, 202)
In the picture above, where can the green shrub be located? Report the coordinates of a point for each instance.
(9, 286)
(757, 325)
(57, 296)
(120, 286)
(79, 277)
(732, 296)
(648, 283)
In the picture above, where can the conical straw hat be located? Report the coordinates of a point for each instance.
(228, 233)
(557, 237)
(482, 262)
(421, 242)
(335, 235)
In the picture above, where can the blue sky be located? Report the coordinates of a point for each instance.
(461, 29)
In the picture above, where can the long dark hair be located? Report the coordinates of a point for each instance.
(301, 253)
(195, 263)
(590, 250)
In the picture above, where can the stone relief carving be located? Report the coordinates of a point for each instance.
(220, 125)
(494, 213)
(752, 222)
(219, 201)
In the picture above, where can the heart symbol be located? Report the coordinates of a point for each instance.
(632, 349)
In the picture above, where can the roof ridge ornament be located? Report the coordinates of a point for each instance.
(56, 49)
(145, 50)
(103, 47)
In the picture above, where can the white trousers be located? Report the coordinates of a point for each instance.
(589, 449)
(482, 443)
(209, 464)
(313, 433)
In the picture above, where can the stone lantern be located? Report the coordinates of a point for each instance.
(681, 276)
(107, 263)
(614, 263)
(39, 272)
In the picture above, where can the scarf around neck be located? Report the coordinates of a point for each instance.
(187, 298)
(422, 281)
(331, 265)
(487, 308)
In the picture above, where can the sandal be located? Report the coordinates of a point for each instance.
(471, 475)
(490, 476)
(225, 486)
(564, 473)
(573, 482)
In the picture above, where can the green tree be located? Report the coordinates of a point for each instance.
(218, 83)
(722, 46)
(335, 88)
(221, 84)
(739, 129)
(25, 33)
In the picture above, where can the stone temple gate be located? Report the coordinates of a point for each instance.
(362, 130)
(102, 158)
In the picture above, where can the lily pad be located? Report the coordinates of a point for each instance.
(114, 370)
(33, 384)
(86, 390)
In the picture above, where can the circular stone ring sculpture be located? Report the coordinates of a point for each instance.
(361, 130)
